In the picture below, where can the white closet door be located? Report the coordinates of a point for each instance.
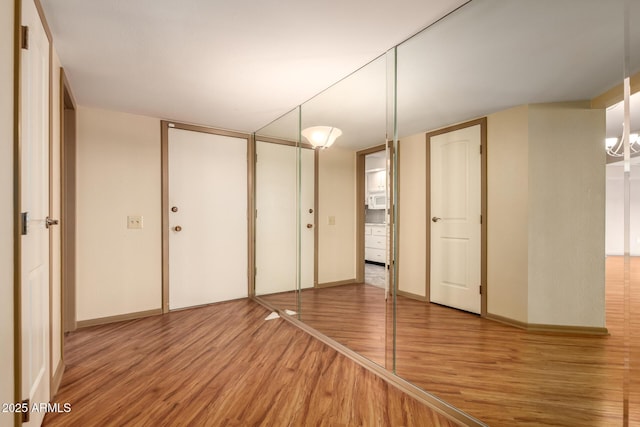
(34, 164)
(277, 211)
(455, 222)
(208, 230)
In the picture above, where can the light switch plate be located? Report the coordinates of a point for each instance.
(332, 220)
(134, 221)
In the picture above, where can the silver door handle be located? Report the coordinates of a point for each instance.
(50, 221)
(435, 219)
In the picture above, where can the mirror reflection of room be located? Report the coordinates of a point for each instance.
(490, 107)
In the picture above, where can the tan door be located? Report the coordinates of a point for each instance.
(456, 219)
(34, 204)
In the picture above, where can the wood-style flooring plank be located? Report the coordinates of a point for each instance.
(499, 374)
(222, 365)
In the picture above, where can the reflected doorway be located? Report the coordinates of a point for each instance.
(373, 221)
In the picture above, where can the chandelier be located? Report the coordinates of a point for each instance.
(615, 146)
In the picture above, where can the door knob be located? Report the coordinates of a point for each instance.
(435, 219)
(50, 221)
(177, 228)
(174, 209)
(309, 225)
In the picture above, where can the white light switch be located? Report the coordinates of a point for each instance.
(332, 220)
(134, 221)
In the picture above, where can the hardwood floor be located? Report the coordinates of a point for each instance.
(500, 374)
(222, 365)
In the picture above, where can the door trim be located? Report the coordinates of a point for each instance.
(17, 200)
(164, 155)
(483, 206)
(360, 220)
(67, 206)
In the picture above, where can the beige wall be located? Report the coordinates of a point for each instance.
(118, 269)
(336, 197)
(6, 208)
(545, 208)
(412, 249)
(566, 215)
(507, 212)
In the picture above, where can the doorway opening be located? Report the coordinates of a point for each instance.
(373, 221)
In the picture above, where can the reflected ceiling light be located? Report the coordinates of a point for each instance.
(615, 146)
(321, 136)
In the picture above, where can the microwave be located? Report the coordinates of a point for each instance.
(377, 201)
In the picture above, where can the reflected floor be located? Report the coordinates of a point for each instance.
(353, 315)
(374, 274)
(497, 373)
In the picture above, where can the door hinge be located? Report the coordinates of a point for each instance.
(481, 149)
(24, 223)
(480, 289)
(480, 219)
(24, 37)
(26, 410)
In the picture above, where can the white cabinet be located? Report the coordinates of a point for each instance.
(376, 181)
(375, 243)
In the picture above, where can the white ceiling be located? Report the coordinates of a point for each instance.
(231, 64)
(487, 56)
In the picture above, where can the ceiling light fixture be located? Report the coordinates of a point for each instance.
(615, 146)
(321, 136)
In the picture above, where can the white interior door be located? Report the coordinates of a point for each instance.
(35, 201)
(276, 218)
(208, 259)
(456, 220)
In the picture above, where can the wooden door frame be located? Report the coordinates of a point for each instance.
(360, 214)
(17, 203)
(483, 206)
(67, 206)
(165, 125)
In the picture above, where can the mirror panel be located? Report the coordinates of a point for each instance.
(347, 300)
(515, 234)
(276, 201)
(632, 309)
(534, 83)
